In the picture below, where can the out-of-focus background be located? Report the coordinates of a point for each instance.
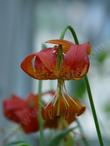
(26, 24)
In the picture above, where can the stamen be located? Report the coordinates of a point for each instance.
(66, 102)
(73, 100)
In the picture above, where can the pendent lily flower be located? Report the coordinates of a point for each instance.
(10, 106)
(74, 65)
(63, 106)
(24, 112)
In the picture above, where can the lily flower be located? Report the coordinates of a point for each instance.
(24, 112)
(11, 105)
(75, 62)
(63, 106)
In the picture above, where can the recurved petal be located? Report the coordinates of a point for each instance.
(27, 65)
(40, 65)
(75, 106)
(60, 42)
(75, 63)
(80, 107)
(65, 44)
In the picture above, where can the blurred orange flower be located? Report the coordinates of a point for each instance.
(42, 65)
(24, 112)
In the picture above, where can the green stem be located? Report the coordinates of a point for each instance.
(88, 89)
(60, 83)
(40, 119)
(94, 112)
(73, 34)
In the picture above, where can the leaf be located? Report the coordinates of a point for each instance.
(57, 139)
(17, 143)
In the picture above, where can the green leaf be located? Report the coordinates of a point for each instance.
(17, 143)
(57, 139)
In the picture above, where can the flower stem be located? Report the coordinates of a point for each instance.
(94, 111)
(40, 119)
(88, 89)
(60, 83)
(73, 34)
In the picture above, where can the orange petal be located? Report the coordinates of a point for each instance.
(75, 106)
(27, 65)
(40, 65)
(66, 44)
